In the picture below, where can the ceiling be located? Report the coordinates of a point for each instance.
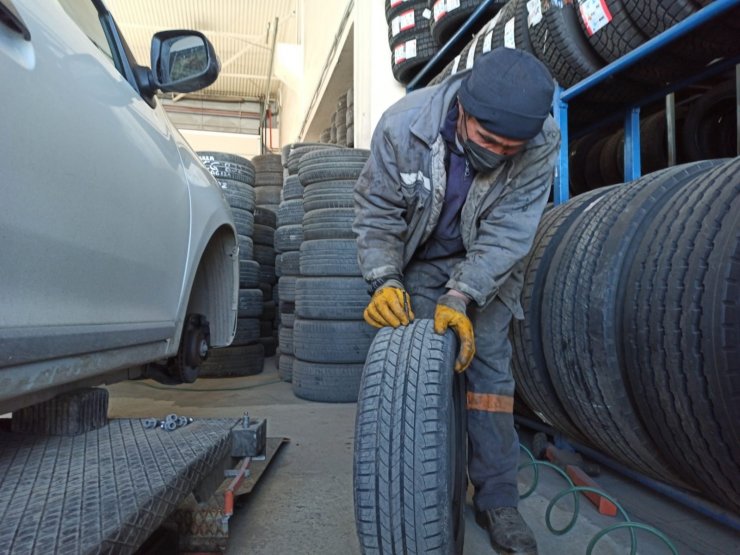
(240, 30)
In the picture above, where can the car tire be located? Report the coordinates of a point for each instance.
(326, 383)
(332, 341)
(290, 212)
(330, 257)
(268, 194)
(330, 298)
(250, 303)
(247, 331)
(332, 165)
(230, 362)
(249, 274)
(285, 367)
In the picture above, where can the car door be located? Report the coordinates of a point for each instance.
(94, 221)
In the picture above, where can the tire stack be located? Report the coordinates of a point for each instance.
(245, 356)
(350, 118)
(333, 129)
(449, 15)
(409, 37)
(325, 136)
(630, 340)
(341, 120)
(330, 337)
(269, 186)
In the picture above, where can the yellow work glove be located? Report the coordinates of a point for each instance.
(450, 313)
(390, 306)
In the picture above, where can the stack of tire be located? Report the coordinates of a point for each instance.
(341, 120)
(245, 356)
(325, 136)
(350, 119)
(333, 129)
(268, 188)
(330, 337)
(449, 15)
(409, 37)
(630, 341)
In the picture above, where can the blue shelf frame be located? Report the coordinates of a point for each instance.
(632, 162)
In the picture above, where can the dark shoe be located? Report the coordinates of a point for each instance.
(508, 532)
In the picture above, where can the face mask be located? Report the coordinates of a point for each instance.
(482, 159)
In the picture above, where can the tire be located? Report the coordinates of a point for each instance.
(533, 382)
(268, 311)
(292, 188)
(288, 238)
(290, 263)
(681, 322)
(287, 289)
(267, 274)
(580, 310)
(265, 255)
(250, 303)
(330, 298)
(266, 217)
(287, 319)
(246, 248)
(351, 135)
(710, 127)
(326, 383)
(268, 163)
(249, 274)
(409, 454)
(269, 344)
(342, 134)
(229, 362)
(268, 194)
(294, 158)
(332, 165)
(247, 331)
(334, 195)
(228, 166)
(612, 171)
(269, 179)
(285, 340)
(407, 57)
(238, 194)
(244, 221)
(332, 341)
(328, 223)
(263, 235)
(444, 24)
(290, 212)
(285, 367)
(331, 257)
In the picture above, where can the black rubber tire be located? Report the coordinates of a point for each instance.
(287, 319)
(250, 303)
(290, 264)
(326, 383)
(409, 455)
(265, 255)
(263, 235)
(616, 38)
(655, 16)
(266, 289)
(285, 340)
(292, 188)
(580, 309)
(444, 25)
(529, 366)
(247, 331)
(287, 289)
(407, 57)
(290, 212)
(231, 362)
(332, 165)
(342, 134)
(328, 223)
(681, 323)
(249, 274)
(610, 165)
(270, 345)
(300, 149)
(238, 194)
(267, 274)
(592, 169)
(246, 248)
(285, 367)
(334, 195)
(228, 166)
(710, 129)
(330, 298)
(244, 221)
(288, 238)
(323, 138)
(265, 216)
(269, 194)
(332, 341)
(268, 163)
(329, 257)
(405, 21)
(268, 311)
(269, 179)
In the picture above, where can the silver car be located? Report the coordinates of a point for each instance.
(118, 253)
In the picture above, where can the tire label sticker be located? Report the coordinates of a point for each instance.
(404, 51)
(403, 22)
(595, 15)
(487, 41)
(455, 64)
(534, 8)
(427, 13)
(443, 7)
(471, 54)
(395, 3)
(510, 33)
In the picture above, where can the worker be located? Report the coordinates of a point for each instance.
(446, 208)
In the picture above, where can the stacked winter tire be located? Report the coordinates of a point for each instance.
(245, 356)
(330, 337)
(409, 37)
(268, 188)
(634, 348)
(350, 118)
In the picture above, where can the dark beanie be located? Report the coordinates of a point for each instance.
(509, 92)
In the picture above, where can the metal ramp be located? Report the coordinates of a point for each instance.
(104, 491)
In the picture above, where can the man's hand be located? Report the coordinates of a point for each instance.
(451, 313)
(390, 306)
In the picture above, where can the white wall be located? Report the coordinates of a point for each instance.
(243, 145)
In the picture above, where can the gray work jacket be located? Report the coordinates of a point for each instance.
(399, 195)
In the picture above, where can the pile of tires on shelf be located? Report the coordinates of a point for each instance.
(631, 341)
(342, 129)
(245, 356)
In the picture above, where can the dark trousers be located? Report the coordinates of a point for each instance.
(493, 444)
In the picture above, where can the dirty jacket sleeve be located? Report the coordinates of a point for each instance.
(506, 233)
(380, 208)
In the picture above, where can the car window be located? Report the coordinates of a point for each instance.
(86, 16)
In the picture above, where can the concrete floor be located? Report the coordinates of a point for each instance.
(303, 503)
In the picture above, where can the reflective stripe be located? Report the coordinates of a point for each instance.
(489, 402)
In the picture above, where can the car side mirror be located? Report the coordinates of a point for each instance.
(183, 61)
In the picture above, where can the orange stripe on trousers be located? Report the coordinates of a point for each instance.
(489, 402)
